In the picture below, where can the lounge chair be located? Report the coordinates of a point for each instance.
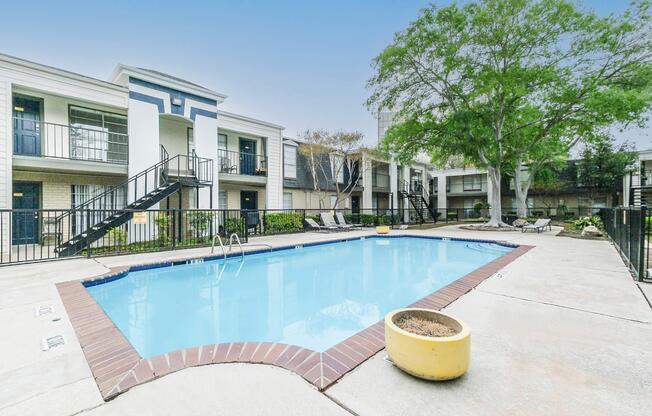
(540, 225)
(342, 221)
(329, 221)
(313, 224)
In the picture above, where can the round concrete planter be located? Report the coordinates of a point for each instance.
(431, 358)
(382, 229)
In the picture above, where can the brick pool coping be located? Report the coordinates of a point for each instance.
(117, 366)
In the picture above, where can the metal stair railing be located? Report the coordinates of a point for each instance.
(154, 178)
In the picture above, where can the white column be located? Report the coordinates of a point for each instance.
(144, 149)
(205, 134)
(6, 151)
(442, 201)
(367, 183)
(406, 203)
(274, 190)
(393, 183)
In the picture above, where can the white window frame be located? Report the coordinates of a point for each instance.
(288, 202)
(223, 204)
(289, 161)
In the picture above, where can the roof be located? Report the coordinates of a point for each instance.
(59, 71)
(122, 72)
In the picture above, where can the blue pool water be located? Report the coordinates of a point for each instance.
(314, 297)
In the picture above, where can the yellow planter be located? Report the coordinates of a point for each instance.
(431, 358)
(382, 229)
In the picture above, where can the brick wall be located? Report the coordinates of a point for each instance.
(56, 192)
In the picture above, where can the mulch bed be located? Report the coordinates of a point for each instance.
(423, 326)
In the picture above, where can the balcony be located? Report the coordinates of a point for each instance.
(241, 163)
(380, 182)
(70, 142)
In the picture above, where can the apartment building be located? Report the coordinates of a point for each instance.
(462, 188)
(638, 185)
(72, 141)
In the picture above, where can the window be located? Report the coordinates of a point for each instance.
(333, 201)
(98, 135)
(289, 161)
(472, 182)
(222, 200)
(221, 141)
(287, 200)
(337, 167)
(83, 193)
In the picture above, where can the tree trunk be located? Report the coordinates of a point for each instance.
(495, 208)
(522, 188)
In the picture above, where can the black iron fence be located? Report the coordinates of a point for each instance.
(630, 230)
(32, 235)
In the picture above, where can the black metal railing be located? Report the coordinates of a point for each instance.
(43, 139)
(32, 235)
(241, 163)
(629, 228)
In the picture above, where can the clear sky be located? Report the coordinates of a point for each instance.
(301, 63)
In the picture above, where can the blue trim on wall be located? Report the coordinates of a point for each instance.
(148, 99)
(194, 112)
(172, 91)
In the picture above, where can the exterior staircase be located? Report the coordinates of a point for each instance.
(146, 189)
(420, 201)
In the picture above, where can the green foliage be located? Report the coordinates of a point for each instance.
(603, 164)
(498, 83)
(199, 221)
(117, 236)
(235, 225)
(162, 221)
(370, 220)
(283, 222)
(583, 222)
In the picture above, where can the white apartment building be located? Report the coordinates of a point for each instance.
(66, 138)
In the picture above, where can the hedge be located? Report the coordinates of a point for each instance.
(283, 222)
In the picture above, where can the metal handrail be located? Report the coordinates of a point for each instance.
(78, 143)
(221, 245)
(237, 239)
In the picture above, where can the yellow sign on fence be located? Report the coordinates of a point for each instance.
(140, 218)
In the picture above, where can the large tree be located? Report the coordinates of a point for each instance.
(603, 164)
(498, 82)
(334, 162)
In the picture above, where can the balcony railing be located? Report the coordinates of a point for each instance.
(241, 163)
(380, 181)
(42, 139)
(646, 178)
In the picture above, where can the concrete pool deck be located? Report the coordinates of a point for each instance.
(563, 329)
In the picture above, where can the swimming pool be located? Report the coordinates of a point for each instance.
(313, 297)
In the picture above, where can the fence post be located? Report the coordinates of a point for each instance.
(88, 228)
(642, 250)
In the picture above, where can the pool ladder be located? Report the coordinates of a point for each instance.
(237, 240)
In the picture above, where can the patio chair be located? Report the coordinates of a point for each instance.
(329, 221)
(540, 225)
(318, 227)
(342, 221)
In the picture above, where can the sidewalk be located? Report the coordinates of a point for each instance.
(562, 330)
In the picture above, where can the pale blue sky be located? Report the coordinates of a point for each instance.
(301, 64)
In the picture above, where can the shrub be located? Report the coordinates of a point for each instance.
(117, 236)
(583, 222)
(163, 223)
(235, 225)
(283, 222)
(199, 221)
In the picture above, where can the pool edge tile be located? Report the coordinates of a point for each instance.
(116, 365)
